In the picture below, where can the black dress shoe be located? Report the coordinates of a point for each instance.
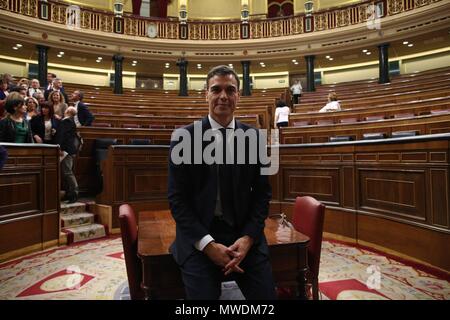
(72, 198)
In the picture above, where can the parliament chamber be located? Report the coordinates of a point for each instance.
(380, 165)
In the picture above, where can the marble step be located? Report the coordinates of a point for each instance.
(83, 233)
(77, 207)
(76, 219)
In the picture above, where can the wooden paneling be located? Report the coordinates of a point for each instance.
(376, 190)
(21, 233)
(393, 192)
(316, 182)
(18, 194)
(439, 184)
(426, 245)
(29, 191)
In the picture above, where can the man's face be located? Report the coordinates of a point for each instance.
(49, 77)
(75, 96)
(222, 97)
(57, 84)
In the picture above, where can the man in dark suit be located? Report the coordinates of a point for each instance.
(57, 86)
(65, 137)
(219, 209)
(84, 117)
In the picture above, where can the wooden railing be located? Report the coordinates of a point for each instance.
(104, 21)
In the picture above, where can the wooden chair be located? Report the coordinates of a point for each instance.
(128, 229)
(308, 218)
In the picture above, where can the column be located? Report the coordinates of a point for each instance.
(246, 90)
(383, 63)
(118, 60)
(182, 64)
(42, 65)
(310, 86)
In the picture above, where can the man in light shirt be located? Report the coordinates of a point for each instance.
(296, 90)
(220, 208)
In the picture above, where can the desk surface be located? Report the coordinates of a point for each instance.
(157, 232)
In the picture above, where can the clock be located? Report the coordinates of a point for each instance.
(152, 30)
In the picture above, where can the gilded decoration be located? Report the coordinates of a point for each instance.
(169, 29)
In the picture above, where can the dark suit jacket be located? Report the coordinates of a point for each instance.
(66, 135)
(38, 126)
(192, 191)
(84, 115)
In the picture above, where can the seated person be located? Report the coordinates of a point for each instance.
(333, 103)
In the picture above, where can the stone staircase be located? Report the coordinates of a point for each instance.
(77, 224)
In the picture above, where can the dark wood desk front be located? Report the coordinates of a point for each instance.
(161, 276)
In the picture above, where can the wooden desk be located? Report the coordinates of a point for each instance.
(161, 278)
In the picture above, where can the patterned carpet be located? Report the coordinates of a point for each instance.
(96, 270)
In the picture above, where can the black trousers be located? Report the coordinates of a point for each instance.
(296, 98)
(202, 278)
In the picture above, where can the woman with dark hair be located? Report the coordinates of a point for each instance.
(44, 126)
(282, 114)
(14, 128)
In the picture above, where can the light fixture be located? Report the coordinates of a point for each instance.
(294, 61)
(245, 13)
(167, 66)
(309, 7)
(405, 42)
(368, 53)
(410, 45)
(364, 50)
(183, 14)
(134, 61)
(100, 58)
(331, 59)
(61, 52)
(230, 65)
(15, 48)
(18, 45)
(118, 8)
(328, 57)
(59, 55)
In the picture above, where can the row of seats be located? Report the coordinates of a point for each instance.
(377, 135)
(136, 126)
(407, 115)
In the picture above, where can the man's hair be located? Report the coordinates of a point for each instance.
(221, 71)
(11, 104)
(332, 96)
(80, 94)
